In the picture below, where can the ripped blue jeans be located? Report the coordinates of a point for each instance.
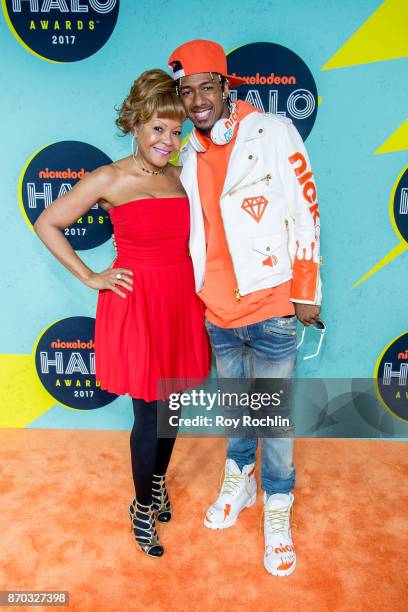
(261, 350)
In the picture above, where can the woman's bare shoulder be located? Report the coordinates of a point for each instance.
(105, 175)
(123, 166)
(107, 178)
(109, 174)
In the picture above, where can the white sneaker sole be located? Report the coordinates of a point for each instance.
(231, 521)
(276, 572)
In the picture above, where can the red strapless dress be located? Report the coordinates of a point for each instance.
(157, 331)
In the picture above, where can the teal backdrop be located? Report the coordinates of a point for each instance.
(356, 52)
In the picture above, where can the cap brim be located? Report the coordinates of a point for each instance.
(235, 81)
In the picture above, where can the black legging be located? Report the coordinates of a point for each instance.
(149, 454)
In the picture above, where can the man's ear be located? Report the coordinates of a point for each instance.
(225, 89)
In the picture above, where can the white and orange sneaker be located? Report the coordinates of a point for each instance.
(238, 491)
(280, 556)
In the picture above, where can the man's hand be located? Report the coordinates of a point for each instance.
(307, 313)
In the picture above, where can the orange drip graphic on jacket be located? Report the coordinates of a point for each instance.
(306, 261)
(304, 273)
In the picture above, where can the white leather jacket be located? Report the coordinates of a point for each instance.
(269, 210)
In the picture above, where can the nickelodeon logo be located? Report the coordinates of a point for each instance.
(229, 124)
(75, 344)
(62, 174)
(275, 80)
(309, 187)
(403, 355)
(271, 79)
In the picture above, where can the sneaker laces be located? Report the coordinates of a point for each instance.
(276, 519)
(231, 483)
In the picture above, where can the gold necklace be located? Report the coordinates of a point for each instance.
(156, 172)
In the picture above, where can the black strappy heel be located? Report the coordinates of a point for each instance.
(143, 525)
(161, 502)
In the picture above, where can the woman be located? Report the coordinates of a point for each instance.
(149, 321)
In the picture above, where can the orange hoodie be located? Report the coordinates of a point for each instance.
(218, 293)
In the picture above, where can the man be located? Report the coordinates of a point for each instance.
(255, 249)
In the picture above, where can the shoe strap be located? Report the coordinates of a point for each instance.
(159, 493)
(149, 534)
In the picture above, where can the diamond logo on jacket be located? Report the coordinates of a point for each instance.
(255, 207)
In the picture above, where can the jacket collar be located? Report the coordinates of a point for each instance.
(243, 157)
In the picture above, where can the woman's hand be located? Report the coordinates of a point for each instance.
(110, 278)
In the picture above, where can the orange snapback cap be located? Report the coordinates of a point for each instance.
(199, 56)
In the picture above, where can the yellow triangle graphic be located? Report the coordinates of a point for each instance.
(383, 36)
(398, 141)
(396, 252)
(24, 399)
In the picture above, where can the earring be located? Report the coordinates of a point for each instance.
(132, 144)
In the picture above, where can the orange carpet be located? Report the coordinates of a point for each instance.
(64, 525)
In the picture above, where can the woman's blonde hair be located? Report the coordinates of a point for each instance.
(153, 92)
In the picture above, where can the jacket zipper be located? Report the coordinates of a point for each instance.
(265, 178)
(288, 246)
